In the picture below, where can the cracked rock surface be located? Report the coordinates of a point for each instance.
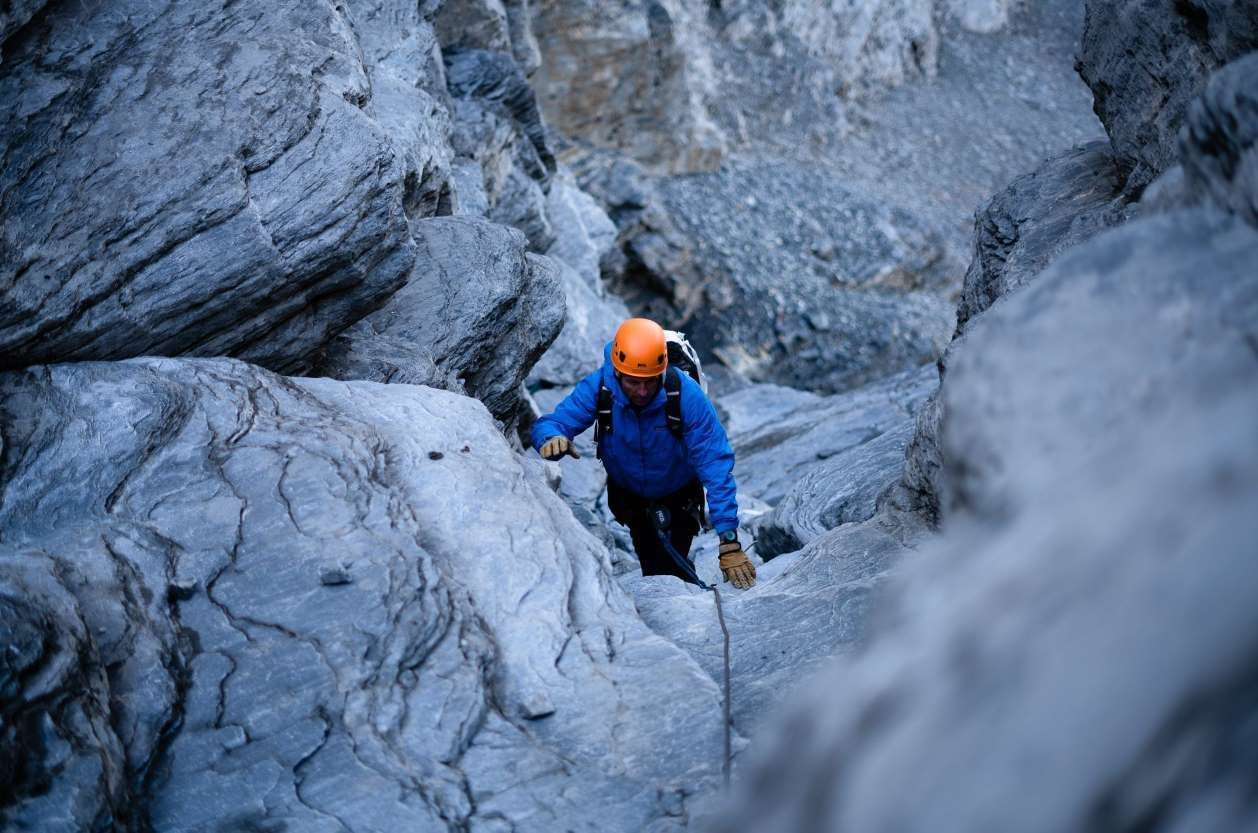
(471, 665)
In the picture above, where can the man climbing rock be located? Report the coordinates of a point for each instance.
(661, 443)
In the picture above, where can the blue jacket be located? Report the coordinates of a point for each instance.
(641, 454)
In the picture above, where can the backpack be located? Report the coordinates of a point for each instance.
(681, 358)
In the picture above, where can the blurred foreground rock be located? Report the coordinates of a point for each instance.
(1088, 626)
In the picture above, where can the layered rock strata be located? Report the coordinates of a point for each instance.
(259, 228)
(476, 313)
(238, 600)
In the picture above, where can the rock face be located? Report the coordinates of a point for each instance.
(783, 437)
(630, 75)
(583, 237)
(475, 315)
(1105, 578)
(259, 228)
(806, 608)
(499, 128)
(263, 603)
(864, 45)
(1145, 61)
(1063, 203)
(1145, 272)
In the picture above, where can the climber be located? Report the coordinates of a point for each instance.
(661, 443)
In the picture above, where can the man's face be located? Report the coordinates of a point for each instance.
(640, 391)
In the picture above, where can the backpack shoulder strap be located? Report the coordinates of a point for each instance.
(672, 404)
(602, 417)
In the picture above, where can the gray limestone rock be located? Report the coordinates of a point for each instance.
(60, 756)
(1145, 60)
(805, 608)
(480, 666)
(1220, 142)
(499, 126)
(1065, 201)
(984, 16)
(584, 234)
(476, 314)
(857, 47)
(473, 24)
(923, 460)
(589, 322)
(1087, 624)
(15, 15)
(844, 490)
(177, 182)
(781, 441)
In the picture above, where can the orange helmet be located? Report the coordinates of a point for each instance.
(639, 349)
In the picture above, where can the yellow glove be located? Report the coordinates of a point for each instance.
(736, 566)
(556, 447)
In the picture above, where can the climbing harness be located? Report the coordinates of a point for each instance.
(661, 519)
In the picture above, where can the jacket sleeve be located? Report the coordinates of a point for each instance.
(712, 457)
(571, 416)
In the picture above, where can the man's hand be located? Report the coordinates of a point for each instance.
(556, 447)
(736, 566)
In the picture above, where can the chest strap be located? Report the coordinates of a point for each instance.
(672, 410)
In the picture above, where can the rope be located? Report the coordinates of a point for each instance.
(684, 564)
(729, 720)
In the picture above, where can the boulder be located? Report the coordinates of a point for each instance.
(1066, 201)
(1169, 287)
(583, 236)
(632, 75)
(260, 227)
(1145, 60)
(1087, 623)
(476, 314)
(268, 603)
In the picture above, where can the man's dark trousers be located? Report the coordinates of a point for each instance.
(635, 512)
